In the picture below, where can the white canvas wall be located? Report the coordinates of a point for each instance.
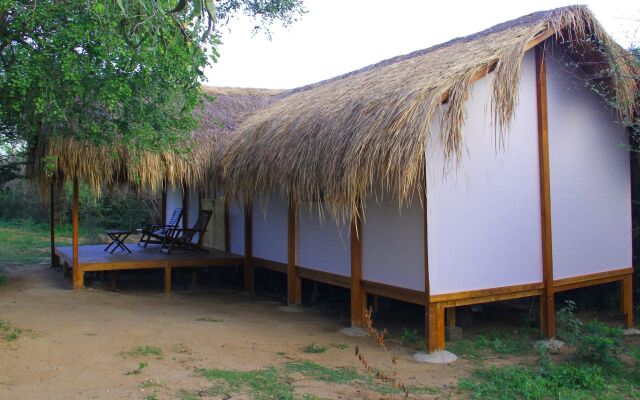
(236, 228)
(270, 227)
(484, 217)
(174, 200)
(393, 243)
(322, 245)
(590, 182)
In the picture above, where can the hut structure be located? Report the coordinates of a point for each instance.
(479, 170)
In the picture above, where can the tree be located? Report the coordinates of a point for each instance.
(112, 71)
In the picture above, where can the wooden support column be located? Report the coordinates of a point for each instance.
(434, 312)
(294, 294)
(185, 205)
(627, 300)
(227, 227)
(249, 283)
(167, 279)
(78, 275)
(358, 296)
(547, 301)
(163, 202)
(52, 223)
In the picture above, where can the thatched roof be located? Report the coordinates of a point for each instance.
(340, 138)
(102, 166)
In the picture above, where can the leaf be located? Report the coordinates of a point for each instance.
(122, 7)
(179, 7)
(210, 5)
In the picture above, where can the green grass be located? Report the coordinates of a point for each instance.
(144, 351)
(321, 373)
(28, 243)
(566, 380)
(264, 384)
(339, 346)
(517, 342)
(314, 349)
(10, 333)
(138, 370)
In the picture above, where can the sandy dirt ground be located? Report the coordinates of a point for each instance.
(76, 343)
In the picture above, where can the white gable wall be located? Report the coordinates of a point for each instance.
(322, 245)
(589, 172)
(270, 225)
(392, 241)
(484, 217)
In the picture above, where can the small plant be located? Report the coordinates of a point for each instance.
(386, 378)
(568, 326)
(410, 338)
(151, 396)
(143, 351)
(321, 373)
(314, 349)
(339, 346)
(600, 344)
(138, 370)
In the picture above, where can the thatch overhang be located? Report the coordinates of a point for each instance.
(340, 140)
(103, 166)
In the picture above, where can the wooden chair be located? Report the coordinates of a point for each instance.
(155, 234)
(187, 238)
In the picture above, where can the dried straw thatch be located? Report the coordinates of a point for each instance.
(101, 166)
(340, 138)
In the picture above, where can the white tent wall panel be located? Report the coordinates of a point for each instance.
(236, 228)
(322, 244)
(270, 224)
(484, 224)
(589, 176)
(393, 243)
(174, 200)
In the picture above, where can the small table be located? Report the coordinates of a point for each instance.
(118, 236)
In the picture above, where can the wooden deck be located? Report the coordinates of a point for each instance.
(94, 258)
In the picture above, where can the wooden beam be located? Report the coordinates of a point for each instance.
(627, 300)
(324, 277)
(358, 299)
(435, 323)
(52, 223)
(227, 227)
(249, 280)
(163, 202)
(547, 303)
(294, 294)
(393, 292)
(598, 278)
(78, 274)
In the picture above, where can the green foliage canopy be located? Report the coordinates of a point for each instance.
(123, 72)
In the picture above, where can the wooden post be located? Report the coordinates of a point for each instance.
(52, 223)
(627, 300)
(185, 205)
(249, 284)
(227, 228)
(167, 279)
(547, 301)
(358, 299)
(434, 313)
(78, 275)
(435, 326)
(163, 202)
(294, 295)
